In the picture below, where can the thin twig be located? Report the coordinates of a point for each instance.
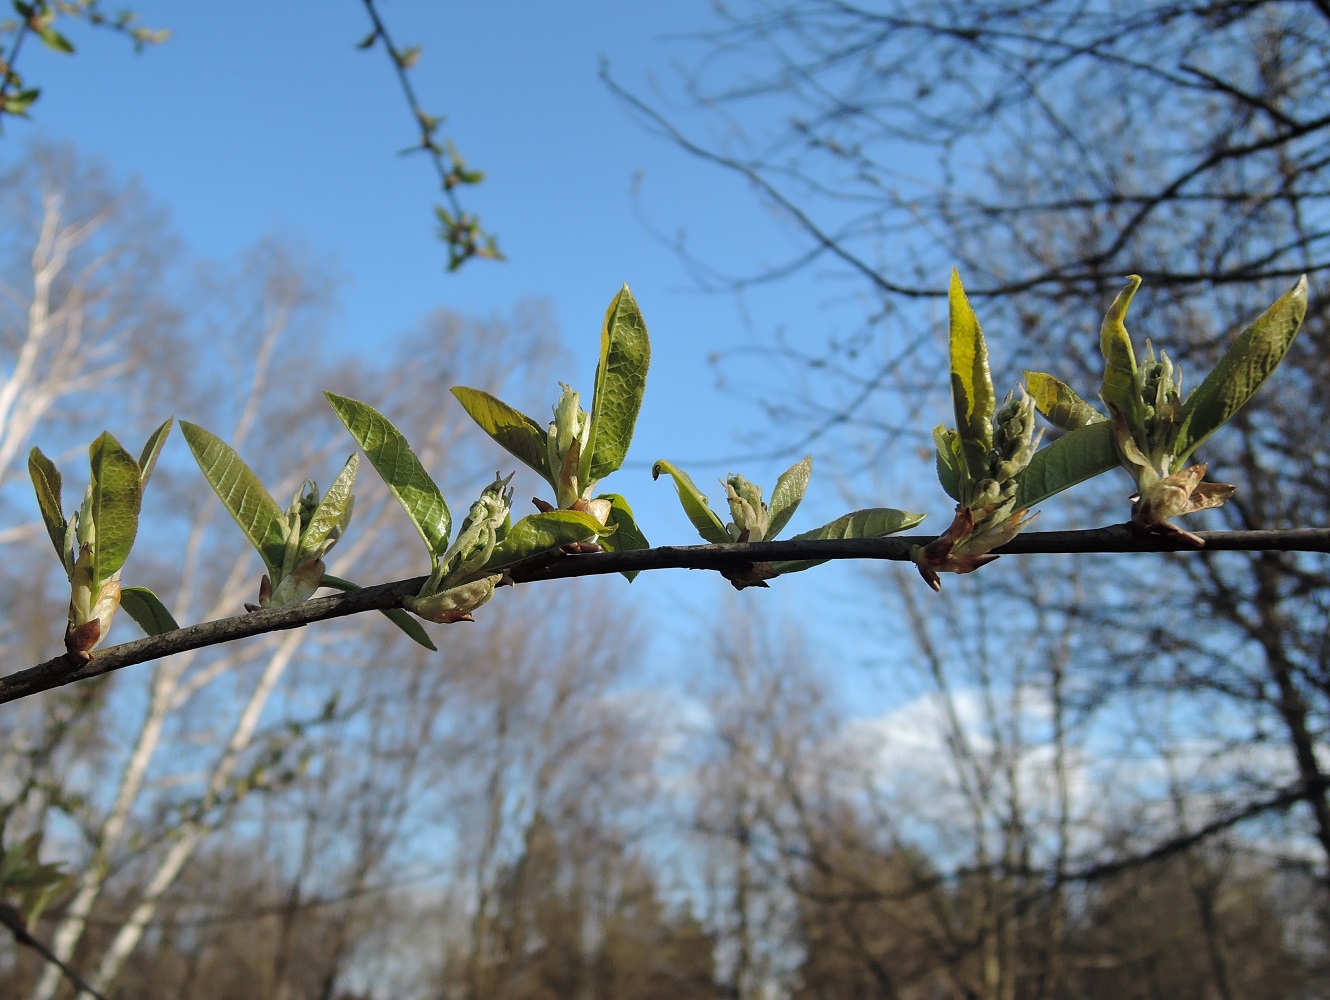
(12, 919)
(1118, 538)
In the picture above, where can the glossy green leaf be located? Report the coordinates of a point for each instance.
(949, 461)
(875, 522)
(1255, 353)
(514, 431)
(241, 493)
(625, 354)
(46, 484)
(789, 491)
(398, 616)
(117, 494)
(387, 450)
(695, 504)
(333, 511)
(147, 610)
(153, 448)
(537, 534)
(971, 382)
(1073, 458)
(1059, 403)
(623, 533)
(1119, 386)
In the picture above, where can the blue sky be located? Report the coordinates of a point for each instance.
(262, 118)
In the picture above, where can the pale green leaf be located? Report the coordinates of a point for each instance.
(623, 534)
(875, 522)
(46, 484)
(398, 616)
(695, 505)
(949, 461)
(971, 382)
(117, 494)
(1119, 386)
(539, 534)
(147, 610)
(785, 498)
(514, 431)
(1073, 458)
(387, 450)
(1059, 403)
(625, 354)
(241, 493)
(153, 448)
(333, 511)
(1255, 353)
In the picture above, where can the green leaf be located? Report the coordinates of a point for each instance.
(147, 610)
(333, 511)
(875, 522)
(1059, 403)
(695, 505)
(1073, 458)
(398, 616)
(153, 448)
(971, 382)
(537, 534)
(1119, 386)
(117, 494)
(790, 489)
(514, 431)
(949, 461)
(624, 534)
(46, 484)
(394, 460)
(1255, 353)
(56, 41)
(241, 493)
(625, 354)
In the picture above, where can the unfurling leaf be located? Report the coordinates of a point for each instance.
(393, 459)
(695, 504)
(147, 610)
(517, 433)
(1118, 390)
(971, 382)
(1073, 458)
(625, 355)
(623, 535)
(788, 492)
(1058, 403)
(1255, 353)
(875, 522)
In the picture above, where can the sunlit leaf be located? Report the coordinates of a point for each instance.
(537, 534)
(333, 511)
(624, 534)
(1073, 458)
(790, 489)
(625, 354)
(153, 448)
(1059, 403)
(387, 450)
(1255, 353)
(117, 494)
(971, 382)
(52, 39)
(398, 616)
(241, 493)
(695, 504)
(875, 522)
(147, 610)
(514, 431)
(46, 484)
(1119, 386)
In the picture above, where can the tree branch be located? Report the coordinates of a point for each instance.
(1117, 538)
